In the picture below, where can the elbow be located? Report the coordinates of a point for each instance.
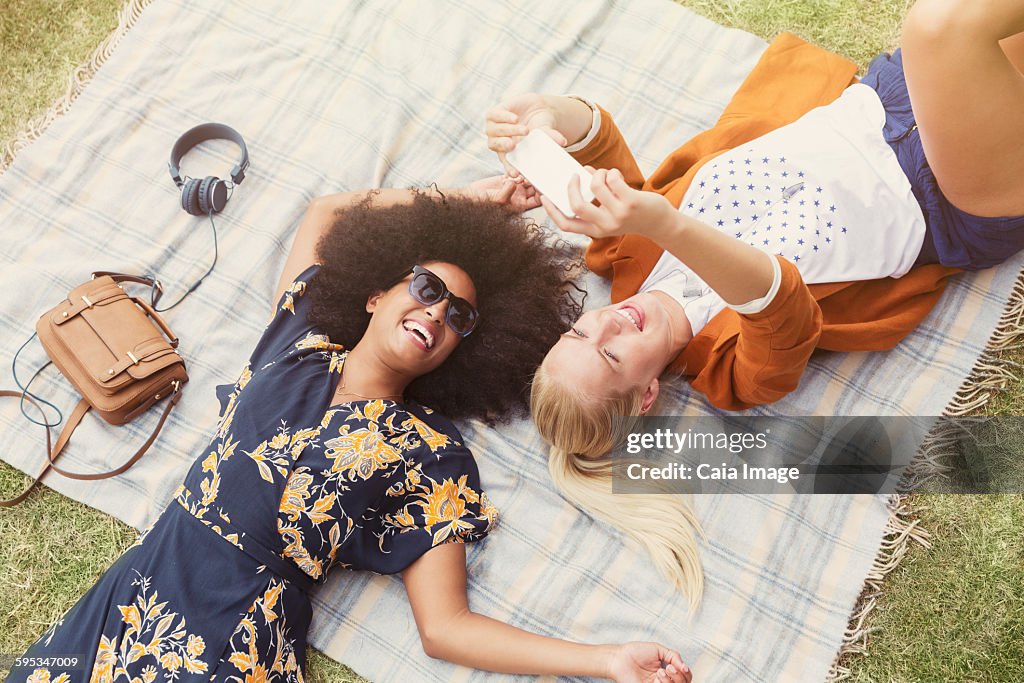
(439, 636)
(433, 643)
(318, 205)
(430, 636)
(431, 647)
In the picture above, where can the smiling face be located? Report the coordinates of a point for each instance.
(408, 337)
(618, 349)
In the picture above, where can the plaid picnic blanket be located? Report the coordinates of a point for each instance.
(341, 96)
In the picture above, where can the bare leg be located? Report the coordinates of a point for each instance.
(968, 99)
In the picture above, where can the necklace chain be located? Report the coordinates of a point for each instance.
(346, 392)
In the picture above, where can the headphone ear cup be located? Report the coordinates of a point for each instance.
(190, 197)
(213, 195)
(204, 188)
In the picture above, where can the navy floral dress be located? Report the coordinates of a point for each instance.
(290, 487)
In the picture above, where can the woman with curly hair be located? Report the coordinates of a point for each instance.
(327, 455)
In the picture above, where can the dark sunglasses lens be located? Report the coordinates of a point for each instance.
(427, 288)
(461, 316)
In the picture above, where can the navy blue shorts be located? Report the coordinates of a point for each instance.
(953, 237)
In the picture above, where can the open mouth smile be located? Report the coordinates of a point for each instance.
(633, 315)
(419, 334)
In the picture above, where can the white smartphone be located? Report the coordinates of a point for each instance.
(549, 168)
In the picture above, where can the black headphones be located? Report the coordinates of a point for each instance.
(209, 195)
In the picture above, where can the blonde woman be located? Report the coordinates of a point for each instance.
(820, 212)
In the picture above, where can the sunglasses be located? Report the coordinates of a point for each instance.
(428, 289)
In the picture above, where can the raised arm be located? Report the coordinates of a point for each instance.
(589, 134)
(436, 585)
(738, 272)
(765, 358)
(317, 221)
(566, 119)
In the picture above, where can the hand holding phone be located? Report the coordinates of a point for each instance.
(549, 168)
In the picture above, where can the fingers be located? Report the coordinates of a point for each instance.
(617, 183)
(603, 191)
(586, 211)
(671, 675)
(531, 202)
(505, 192)
(502, 145)
(573, 225)
(524, 197)
(555, 135)
(510, 170)
(500, 114)
(505, 130)
(576, 197)
(559, 218)
(502, 129)
(674, 665)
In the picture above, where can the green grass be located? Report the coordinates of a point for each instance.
(43, 41)
(953, 612)
(856, 29)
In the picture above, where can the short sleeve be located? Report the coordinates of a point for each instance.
(440, 501)
(291, 321)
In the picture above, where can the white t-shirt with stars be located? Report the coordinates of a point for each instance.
(825, 192)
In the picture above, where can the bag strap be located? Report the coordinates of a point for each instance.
(158, 289)
(158, 319)
(53, 451)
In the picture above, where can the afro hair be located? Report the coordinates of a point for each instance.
(524, 286)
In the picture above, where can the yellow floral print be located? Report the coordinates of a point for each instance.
(280, 451)
(296, 492)
(440, 509)
(151, 634)
(297, 289)
(358, 453)
(445, 506)
(263, 636)
(43, 676)
(489, 511)
(295, 550)
(337, 362)
(211, 487)
(224, 425)
(434, 439)
(373, 478)
(319, 342)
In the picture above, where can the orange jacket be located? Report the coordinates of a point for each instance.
(738, 360)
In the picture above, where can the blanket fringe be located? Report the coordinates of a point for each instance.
(79, 78)
(993, 372)
(900, 530)
(990, 375)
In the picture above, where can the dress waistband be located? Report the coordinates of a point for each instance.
(265, 556)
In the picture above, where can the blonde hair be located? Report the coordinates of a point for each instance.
(582, 432)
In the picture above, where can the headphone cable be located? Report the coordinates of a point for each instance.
(26, 392)
(60, 416)
(193, 288)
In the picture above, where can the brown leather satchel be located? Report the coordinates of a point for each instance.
(120, 355)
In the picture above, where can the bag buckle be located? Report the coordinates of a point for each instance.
(87, 302)
(135, 361)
